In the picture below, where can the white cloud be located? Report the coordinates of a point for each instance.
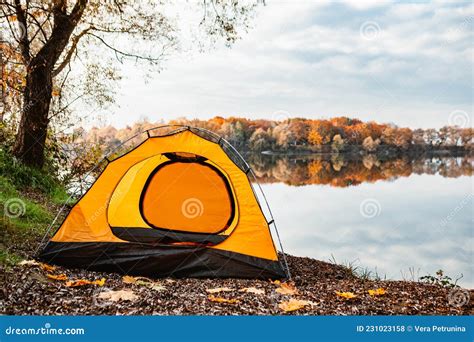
(310, 59)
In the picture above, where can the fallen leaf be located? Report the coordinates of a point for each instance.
(137, 280)
(129, 280)
(78, 282)
(57, 277)
(55, 92)
(287, 289)
(157, 287)
(82, 282)
(144, 279)
(219, 289)
(276, 282)
(46, 267)
(253, 290)
(378, 292)
(29, 263)
(293, 304)
(100, 282)
(222, 300)
(116, 296)
(143, 282)
(346, 295)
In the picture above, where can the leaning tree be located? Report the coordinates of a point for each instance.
(55, 52)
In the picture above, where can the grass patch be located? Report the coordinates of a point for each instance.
(23, 177)
(9, 259)
(29, 200)
(357, 270)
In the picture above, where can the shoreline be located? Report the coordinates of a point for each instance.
(358, 151)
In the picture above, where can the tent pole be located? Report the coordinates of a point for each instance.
(272, 221)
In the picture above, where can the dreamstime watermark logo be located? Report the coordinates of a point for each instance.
(369, 208)
(280, 116)
(46, 330)
(458, 297)
(370, 30)
(460, 206)
(16, 31)
(14, 207)
(459, 118)
(19, 31)
(454, 33)
(192, 208)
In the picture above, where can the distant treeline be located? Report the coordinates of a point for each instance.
(78, 152)
(297, 134)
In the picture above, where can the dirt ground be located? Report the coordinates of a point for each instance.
(27, 290)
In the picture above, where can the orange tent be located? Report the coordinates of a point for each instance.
(179, 204)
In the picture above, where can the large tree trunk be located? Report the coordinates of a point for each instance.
(31, 137)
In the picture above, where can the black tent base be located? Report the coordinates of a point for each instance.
(159, 260)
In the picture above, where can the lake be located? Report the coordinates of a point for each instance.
(399, 218)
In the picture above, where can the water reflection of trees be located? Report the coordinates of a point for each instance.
(340, 171)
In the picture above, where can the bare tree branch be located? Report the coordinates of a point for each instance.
(40, 27)
(125, 54)
(72, 49)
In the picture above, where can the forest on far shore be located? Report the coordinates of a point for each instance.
(76, 153)
(338, 134)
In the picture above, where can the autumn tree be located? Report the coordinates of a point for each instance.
(47, 36)
(370, 145)
(283, 137)
(403, 138)
(298, 129)
(321, 132)
(418, 137)
(260, 140)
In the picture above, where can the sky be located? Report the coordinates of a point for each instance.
(405, 63)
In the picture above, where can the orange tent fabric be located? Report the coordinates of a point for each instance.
(180, 205)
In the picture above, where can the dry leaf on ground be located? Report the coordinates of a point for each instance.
(222, 300)
(287, 289)
(293, 304)
(219, 289)
(129, 279)
(253, 290)
(378, 292)
(47, 268)
(57, 276)
(82, 282)
(157, 287)
(142, 281)
(116, 296)
(77, 282)
(29, 263)
(346, 295)
(100, 282)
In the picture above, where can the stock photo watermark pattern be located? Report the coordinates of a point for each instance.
(458, 297)
(370, 30)
(14, 208)
(45, 330)
(459, 118)
(192, 208)
(370, 208)
(456, 210)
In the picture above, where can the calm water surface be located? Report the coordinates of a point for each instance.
(401, 219)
